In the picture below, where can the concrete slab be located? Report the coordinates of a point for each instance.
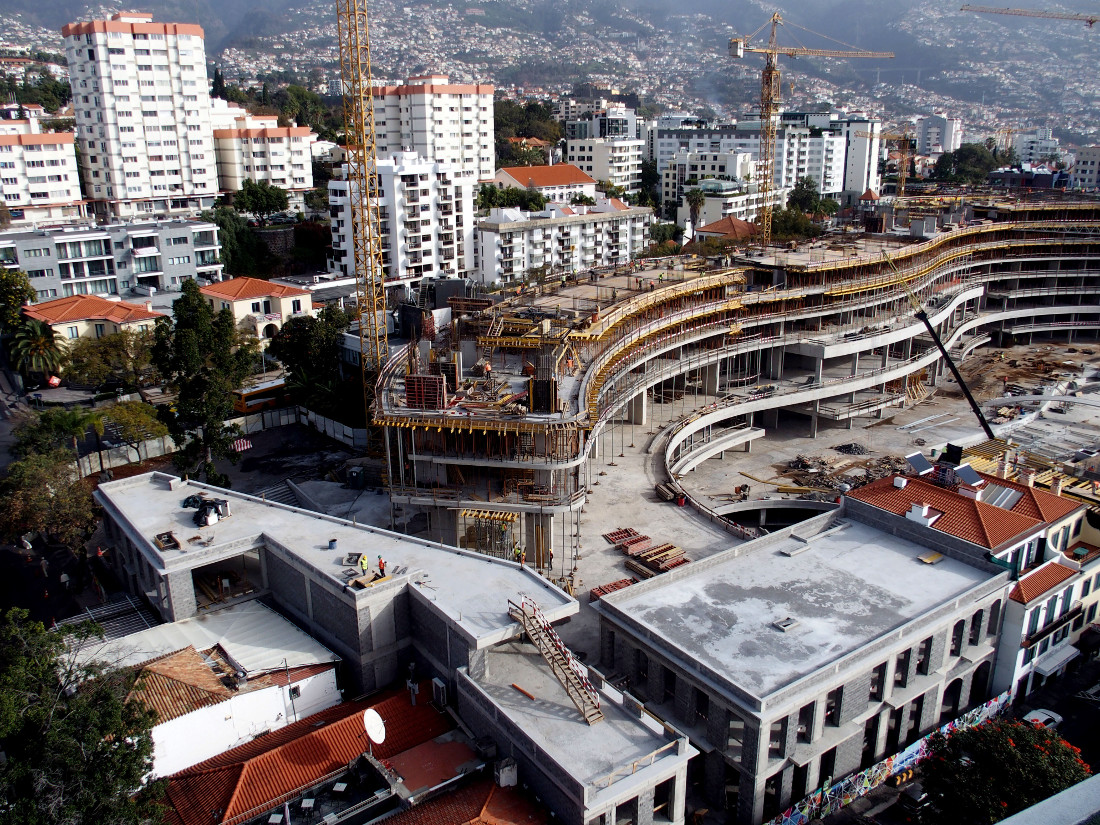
(846, 588)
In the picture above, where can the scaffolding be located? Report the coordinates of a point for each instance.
(489, 533)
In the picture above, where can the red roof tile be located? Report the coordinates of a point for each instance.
(272, 768)
(560, 174)
(729, 227)
(242, 289)
(1034, 502)
(974, 521)
(479, 803)
(89, 308)
(177, 684)
(1039, 582)
(869, 195)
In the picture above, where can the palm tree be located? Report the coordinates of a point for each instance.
(695, 199)
(35, 347)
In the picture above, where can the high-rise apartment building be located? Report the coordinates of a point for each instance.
(142, 107)
(447, 122)
(39, 180)
(937, 134)
(257, 148)
(426, 211)
(615, 160)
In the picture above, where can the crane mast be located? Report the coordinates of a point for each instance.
(770, 93)
(362, 178)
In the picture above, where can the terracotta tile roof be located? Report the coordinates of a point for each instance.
(618, 204)
(869, 195)
(974, 521)
(1039, 582)
(177, 684)
(1034, 502)
(89, 308)
(560, 174)
(243, 289)
(479, 803)
(273, 767)
(729, 227)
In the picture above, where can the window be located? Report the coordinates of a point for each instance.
(901, 668)
(777, 738)
(994, 618)
(957, 637)
(976, 628)
(1033, 621)
(73, 332)
(806, 722)
(924, 656)
(832, 706)
(702, 705)
(736, 735)
(255, 306)
(296, 305)
(295, 691)
(878, 683)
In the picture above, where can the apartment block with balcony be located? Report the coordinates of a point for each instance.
(259, 307)
(142, 106)
(39, 180)
(560, 239)
(687, 166)
(426, 219)
(257, 148)
(114, 259)
(446, 122)
(615, 160)
(806, 655)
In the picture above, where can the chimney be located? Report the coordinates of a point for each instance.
(1029, 476)
(1002, 467)
(970, 492)
(149, 306)
(900, 482)
(1056, 485)
(918, 511)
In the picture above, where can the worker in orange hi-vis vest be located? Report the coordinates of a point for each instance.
(381, 566)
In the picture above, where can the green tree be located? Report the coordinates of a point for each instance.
(983, 774)
(54, 429)
(804, 196)
(970, 163)
(529, 200)
(43, 492)
(77, 744)
(582, 200)
(135, 422)
(695, 199)
(243, 253)
(35, 347)
(260, 199)
(791, 224)
(660, 233)
(15, 293)
(317, 200)
(217, 85)
(123, 356)
(309, 349)
(204, 358)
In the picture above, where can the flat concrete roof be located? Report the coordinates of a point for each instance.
(590, 754)
(844, 587)
(456, 581)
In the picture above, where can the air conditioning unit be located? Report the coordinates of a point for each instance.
(439, 692)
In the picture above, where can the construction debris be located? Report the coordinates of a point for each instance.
(851, 449)
(603, 589)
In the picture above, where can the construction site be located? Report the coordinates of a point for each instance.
(501, 427)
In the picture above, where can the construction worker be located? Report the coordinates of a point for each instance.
(381, 566)
(516, 551)
(364, 563)
(523, 557)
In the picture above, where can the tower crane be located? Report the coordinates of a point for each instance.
(770, 91)
(905, 147)
(362, 179)
(1087, 19)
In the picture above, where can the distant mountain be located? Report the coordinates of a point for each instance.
(222, 20)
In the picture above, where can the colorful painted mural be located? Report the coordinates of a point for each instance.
(826, 801)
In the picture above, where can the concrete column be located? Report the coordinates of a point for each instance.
(818, 366)
(637, 409)
(645, 807)
(813, 419)
(710, 379)
(538, 538)
(678, 797)
(181, 602)
(855, 363)
(444, 523)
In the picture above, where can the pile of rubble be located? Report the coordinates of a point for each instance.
(851, 449)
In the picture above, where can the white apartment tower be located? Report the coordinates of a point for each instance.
(616, 160)
(442, 121)
(426, 212)
(938, 133)
(142, 106)
(39, 180)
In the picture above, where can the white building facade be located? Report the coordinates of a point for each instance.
(426, 211)
(696, 166)
(616, 160)
(561, 239)
(446, 122)
(257, 148)
(39, 178)
(937, 134)
(142, 106)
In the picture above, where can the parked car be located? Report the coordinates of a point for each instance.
(1044, 719)
(912, 801)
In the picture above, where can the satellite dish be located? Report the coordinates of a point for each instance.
(374, 726)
